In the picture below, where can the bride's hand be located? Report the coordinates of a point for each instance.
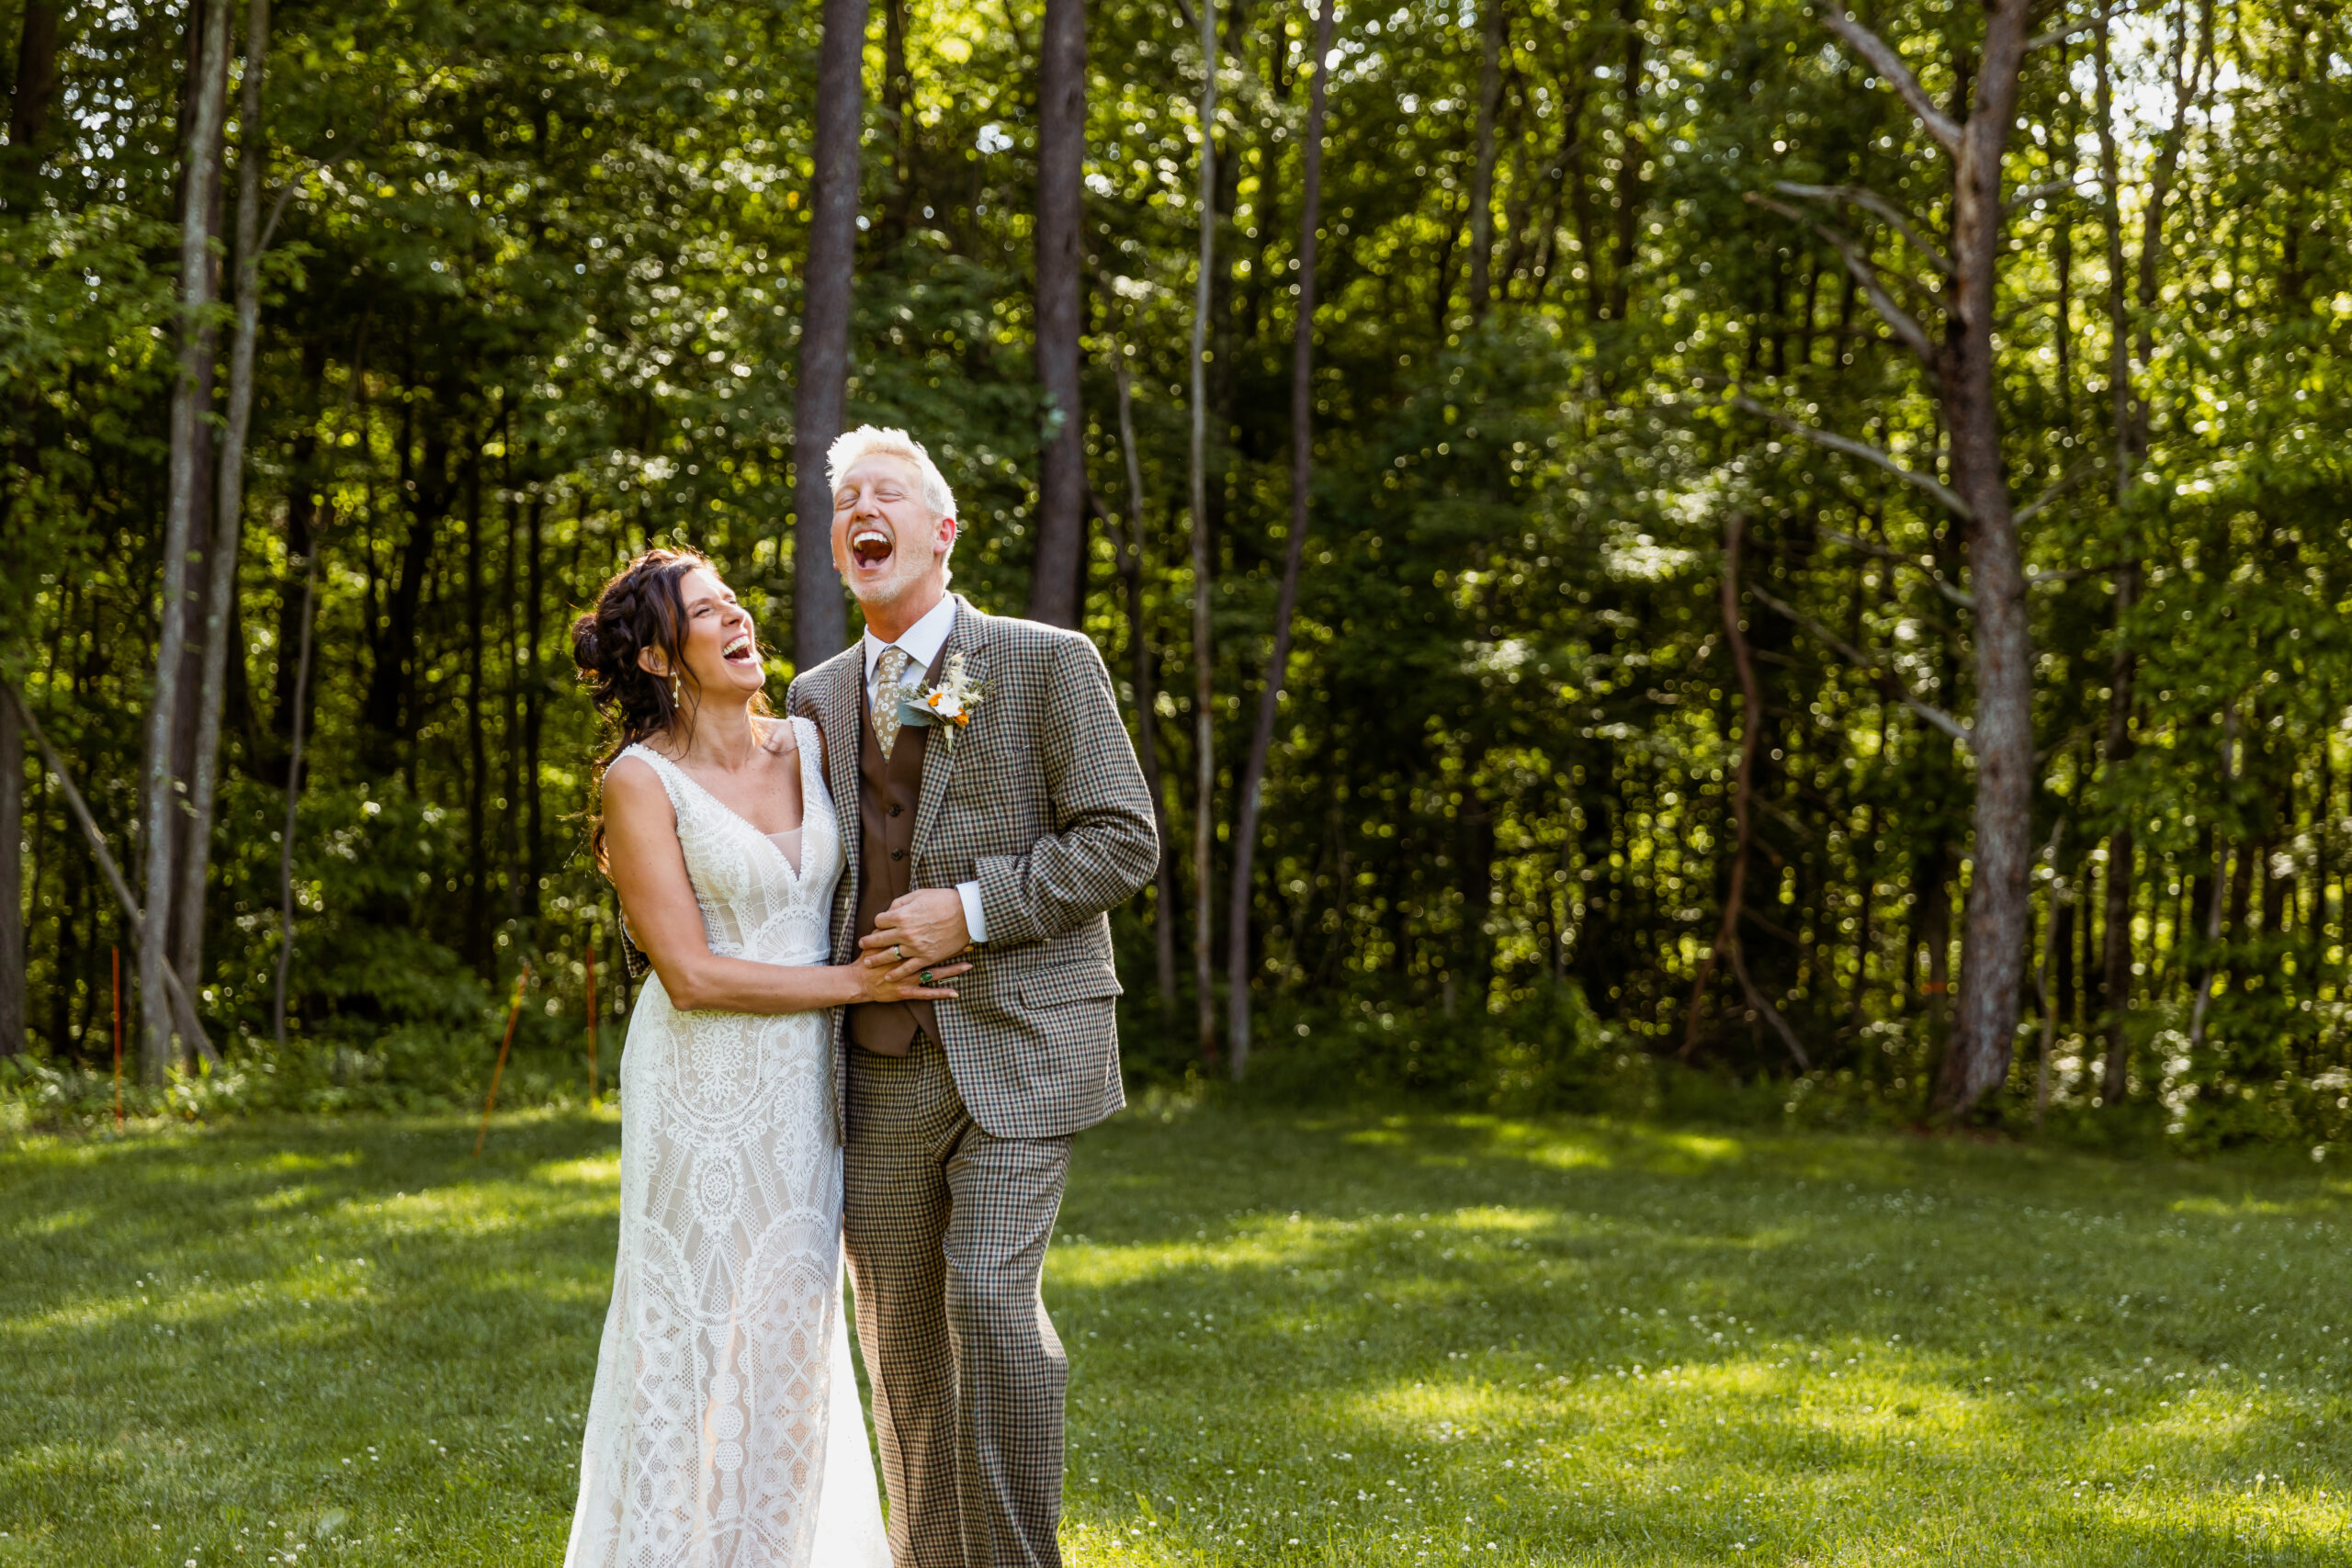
(883, 978)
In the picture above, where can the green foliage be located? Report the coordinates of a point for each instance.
(531, 303)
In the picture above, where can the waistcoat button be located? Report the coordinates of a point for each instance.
(898, 854)
(896, 809)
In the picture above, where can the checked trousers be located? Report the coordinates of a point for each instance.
(947, 1230)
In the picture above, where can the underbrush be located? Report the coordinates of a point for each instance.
(1548, 1052)
(407, 1068)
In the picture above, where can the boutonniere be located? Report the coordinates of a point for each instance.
(948, 704)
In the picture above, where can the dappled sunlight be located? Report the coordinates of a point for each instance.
(603, 1172)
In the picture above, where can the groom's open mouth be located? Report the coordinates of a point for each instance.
(739, 650)
(870, 547)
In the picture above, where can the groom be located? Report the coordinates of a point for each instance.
(1001, 824)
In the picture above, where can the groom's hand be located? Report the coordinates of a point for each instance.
(927, 925)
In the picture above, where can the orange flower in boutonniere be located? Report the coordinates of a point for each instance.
(949, 704)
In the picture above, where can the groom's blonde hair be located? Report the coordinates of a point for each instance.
(866, 440)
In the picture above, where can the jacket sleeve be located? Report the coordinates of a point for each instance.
(1103, 848)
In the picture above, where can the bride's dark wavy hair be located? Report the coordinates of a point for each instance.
(643, 606)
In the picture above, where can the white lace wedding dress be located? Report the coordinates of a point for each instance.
(725, 1430)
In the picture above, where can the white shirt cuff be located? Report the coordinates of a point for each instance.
(976, 925)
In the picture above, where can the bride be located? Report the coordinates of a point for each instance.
(725, 1430)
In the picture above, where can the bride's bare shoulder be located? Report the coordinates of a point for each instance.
(632, 783)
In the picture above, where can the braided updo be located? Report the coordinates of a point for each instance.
(643, 606)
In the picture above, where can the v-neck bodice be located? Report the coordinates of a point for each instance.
(758, 899)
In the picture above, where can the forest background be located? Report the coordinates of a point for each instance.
(1708, 554)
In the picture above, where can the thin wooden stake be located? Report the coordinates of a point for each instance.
(594, 1021)
(117, 1037)
(513, 1014)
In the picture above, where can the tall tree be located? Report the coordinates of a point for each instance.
(30, 103)
(1057, 577)
(228, 509)
(1482, 178)
(2131, 306)
(1129, 544)
(1237, 965)
(13, 996)
(1960, 369)
(161, 797)
(293, 802)
(1204, 574)
(819, 619)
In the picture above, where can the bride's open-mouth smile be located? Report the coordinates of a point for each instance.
(738, 650)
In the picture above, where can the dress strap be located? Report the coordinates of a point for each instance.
(804, 734)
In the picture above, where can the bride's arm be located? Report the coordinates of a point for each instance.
(649, 870)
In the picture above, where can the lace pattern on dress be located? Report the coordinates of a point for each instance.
(708, 1443)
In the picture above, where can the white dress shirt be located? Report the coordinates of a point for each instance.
(921, 643)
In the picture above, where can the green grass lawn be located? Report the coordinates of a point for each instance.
(1310, 1340)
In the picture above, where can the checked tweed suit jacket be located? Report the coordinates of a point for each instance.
(1041, 801)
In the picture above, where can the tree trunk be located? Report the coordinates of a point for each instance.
(2130, 418)
(293, 798)
(30, 104)
(2122, 852)
(1058, 570)
(185, 914)
(304, 494)
(1302, 474)
(12, 996)
(228, 516)
(1203, 677)
(476, 873)
(389, 715)
(1131, 573)
(161, 796)
(181, 1013)
(899, 116)
(1727, 944)
(2214, 899)
(819, 620)
(2053, 945)
(534, 694)
(511, 678)
(1999, 914)
(1482, 181)
(1629, 167)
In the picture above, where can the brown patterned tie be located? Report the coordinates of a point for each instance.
(887, 671)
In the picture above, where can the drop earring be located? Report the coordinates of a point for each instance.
(677, 697)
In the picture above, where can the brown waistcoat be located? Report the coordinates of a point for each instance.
(888, 794)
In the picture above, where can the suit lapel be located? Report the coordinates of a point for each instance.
(844, 716)
(939, 754)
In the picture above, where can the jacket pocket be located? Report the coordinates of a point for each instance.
(1052, 987)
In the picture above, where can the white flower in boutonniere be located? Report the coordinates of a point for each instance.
(948, 704)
